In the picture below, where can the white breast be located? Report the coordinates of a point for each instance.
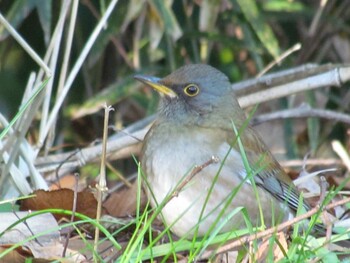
(173, 158)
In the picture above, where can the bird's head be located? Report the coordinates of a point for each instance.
(195, 94)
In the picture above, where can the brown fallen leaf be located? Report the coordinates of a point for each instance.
(19, 255)
(123, 202)
(62, 199)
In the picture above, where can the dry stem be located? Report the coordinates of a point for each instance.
(273, 230)
(102, 185)
(195, 171)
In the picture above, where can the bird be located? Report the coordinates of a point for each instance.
(194, 166)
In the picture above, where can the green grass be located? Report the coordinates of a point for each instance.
(231, 38)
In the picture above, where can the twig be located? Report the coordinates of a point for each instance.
(120, 176)
(278, 78)
(102, 185)
(324, 186)
(27, 225)
(271, 231)
(323, 192)
(334, 77)
(196, 170)
(316, 19)
(303, 111)
(114, 40)
(278, 60)
(124, 131)
(74, 209)
(315, 162)
(130, 137)
(60, 165)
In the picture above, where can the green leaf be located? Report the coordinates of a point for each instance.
(110, 95)
(45, 16)
(209, 11)
(168, 18)
(313, 124)
(18, 12)
(134, 10)
(23, 108)
(327, 255)
(283, 6)
(156, 28)
(113, 29)
(261, 28)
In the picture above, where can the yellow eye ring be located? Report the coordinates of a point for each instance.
(191, 90)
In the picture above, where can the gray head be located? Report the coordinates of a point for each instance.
(195, 94)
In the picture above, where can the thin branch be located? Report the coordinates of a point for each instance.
(102, 185)
(323, 193)
(267, 81)
(273, 230)
(303, 111)
(118, 174)
(316, 19)
(314, 162)
(121, 50)
(194, 172)
(329, 78)
(74, 209)
(278, 60)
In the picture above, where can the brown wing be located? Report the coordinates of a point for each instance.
(269, 174)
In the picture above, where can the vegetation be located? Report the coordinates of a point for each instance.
(82, 55)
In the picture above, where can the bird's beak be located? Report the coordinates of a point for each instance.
(154, 83)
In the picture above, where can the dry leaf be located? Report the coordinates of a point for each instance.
(19, 255)
(54, 252)
(62, 199)
(69, 182)
(123, 203)
(277, 252)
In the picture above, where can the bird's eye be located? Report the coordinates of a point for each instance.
(191, 90)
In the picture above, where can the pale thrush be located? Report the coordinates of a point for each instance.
(196, 118)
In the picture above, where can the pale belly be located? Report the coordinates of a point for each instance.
(215, 197)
